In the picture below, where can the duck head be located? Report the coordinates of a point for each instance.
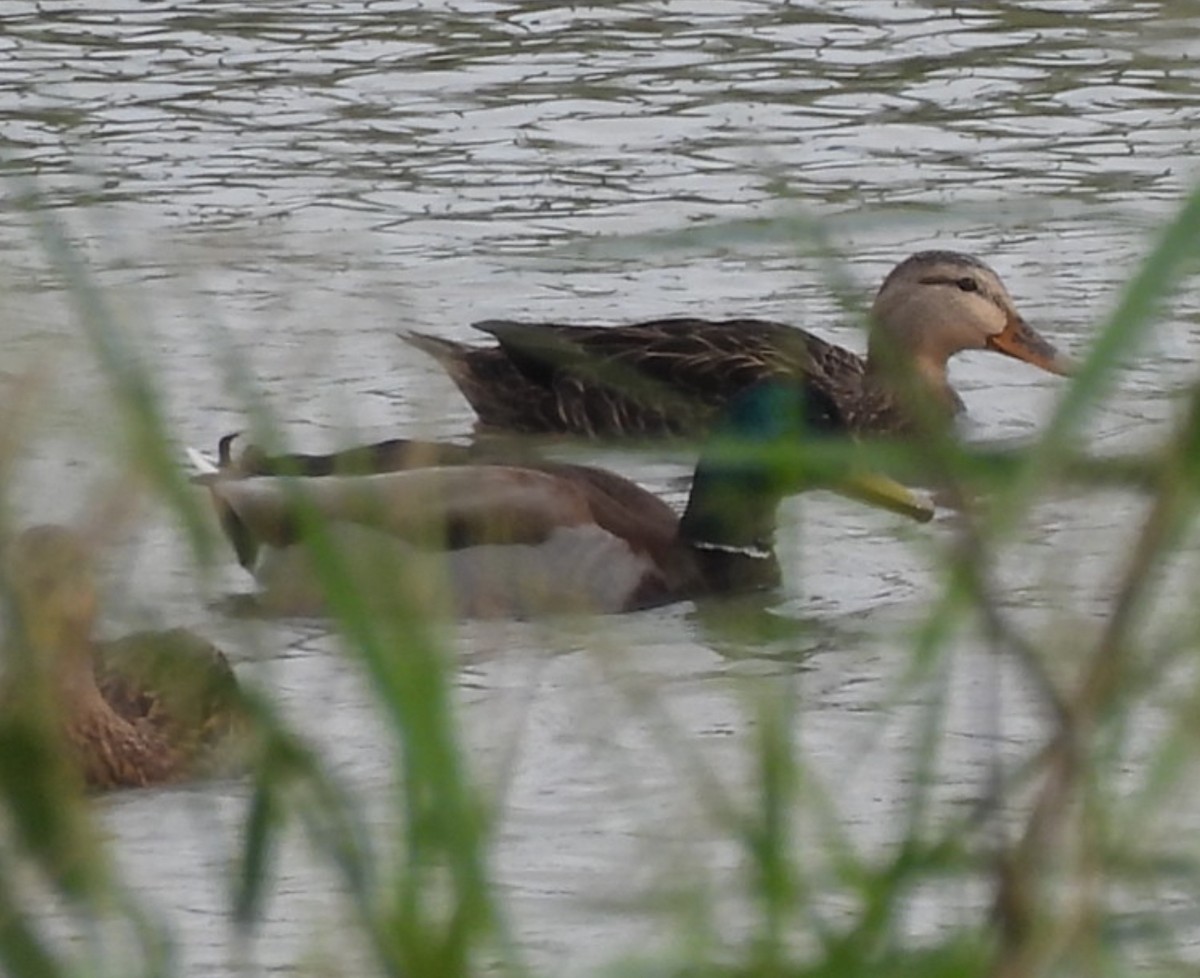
(765, 447)
(935, 304)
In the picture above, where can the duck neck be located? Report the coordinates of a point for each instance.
(108, 749)
(729, 525)
(902, 376)
(75, 680)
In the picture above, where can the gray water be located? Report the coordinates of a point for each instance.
(295, 181)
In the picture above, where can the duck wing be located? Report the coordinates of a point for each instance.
(392, 455)
(173, 682)
(665, 376)
(441, 507)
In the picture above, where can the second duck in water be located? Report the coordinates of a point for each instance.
(511, 540)
(672, 376)
(149, 708)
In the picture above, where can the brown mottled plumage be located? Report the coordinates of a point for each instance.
(145, 709)
(672, 376)
(524, 538)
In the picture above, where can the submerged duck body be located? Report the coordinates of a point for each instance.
(673, 376)
(513, 540)
(149, 708)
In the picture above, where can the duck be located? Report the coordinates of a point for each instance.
(524, 538)
(668, 377)
(150, 708)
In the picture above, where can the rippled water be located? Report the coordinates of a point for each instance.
(303, 178)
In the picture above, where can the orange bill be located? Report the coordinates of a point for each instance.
(1019, 339)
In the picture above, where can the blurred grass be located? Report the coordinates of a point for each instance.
(1051, 840)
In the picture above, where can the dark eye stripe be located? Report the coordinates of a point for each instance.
(965, 282)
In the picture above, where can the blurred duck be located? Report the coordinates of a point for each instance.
(673, 376)
(149, 708)
(511, 540)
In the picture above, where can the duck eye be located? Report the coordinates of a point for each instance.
(968, 284)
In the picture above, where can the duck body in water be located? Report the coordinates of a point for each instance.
(673, 376)
(150, 708)
(513, 540)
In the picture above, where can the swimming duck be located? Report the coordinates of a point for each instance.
(149, 708)
(511, 540)
(672, 376)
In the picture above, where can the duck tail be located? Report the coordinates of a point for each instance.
(449, 353)
(491, 384)
(466, 365)
(204, 469)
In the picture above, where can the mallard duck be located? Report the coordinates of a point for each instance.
(149, 708)
(510, 540)
(672, 376)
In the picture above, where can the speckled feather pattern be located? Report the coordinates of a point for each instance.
(660, 377)
(144, 709)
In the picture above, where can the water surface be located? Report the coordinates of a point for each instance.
(295, 181)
